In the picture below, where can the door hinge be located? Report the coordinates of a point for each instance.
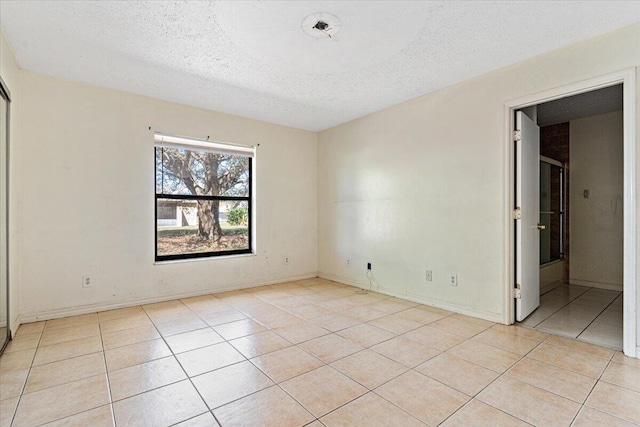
(516, 214)
(517, 292)
(517, 135)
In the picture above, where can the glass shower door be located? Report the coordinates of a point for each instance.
(552, 210)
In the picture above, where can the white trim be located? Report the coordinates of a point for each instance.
(73, 311)
(627, 78)
(492, 317)
(599, 285)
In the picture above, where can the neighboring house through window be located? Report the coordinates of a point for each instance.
(203, 198)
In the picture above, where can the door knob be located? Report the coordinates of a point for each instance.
(541, 226)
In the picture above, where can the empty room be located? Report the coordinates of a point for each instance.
(319, 213)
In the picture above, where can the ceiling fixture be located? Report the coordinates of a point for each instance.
(321, 25)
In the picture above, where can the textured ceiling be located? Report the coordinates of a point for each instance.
(586, 104)
(252, 58)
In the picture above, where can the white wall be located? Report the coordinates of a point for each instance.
(596, 146)
(85, 178)
(11, 75)
(423, 185)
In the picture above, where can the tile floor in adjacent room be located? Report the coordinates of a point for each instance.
(310, 352)
(587, 314)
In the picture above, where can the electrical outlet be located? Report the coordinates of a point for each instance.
(368, 266)
(453, 280)
(86, 282)
(429, 276)
(286, 260)
(349, 263)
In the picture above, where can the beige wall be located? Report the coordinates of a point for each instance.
(423, 185)
(596, 145)
(11, 75)
(85, 176)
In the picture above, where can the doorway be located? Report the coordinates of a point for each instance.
(596, 301)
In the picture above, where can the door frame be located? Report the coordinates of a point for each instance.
(627, 78)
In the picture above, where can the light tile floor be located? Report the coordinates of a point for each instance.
(587, 314)
(310, 352)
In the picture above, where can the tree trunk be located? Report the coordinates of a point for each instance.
(209, 227)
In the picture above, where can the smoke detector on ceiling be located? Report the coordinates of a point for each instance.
(321, 25)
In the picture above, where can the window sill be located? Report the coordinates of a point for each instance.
(211, 258)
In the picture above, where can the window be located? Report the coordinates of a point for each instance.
(203, 198)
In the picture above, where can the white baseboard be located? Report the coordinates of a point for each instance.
(599, 285)
(92, 308)
(492, 317)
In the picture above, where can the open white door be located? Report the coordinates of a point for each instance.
(527, 149)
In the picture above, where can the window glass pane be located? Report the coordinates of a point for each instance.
(197, 226)
(180, 171)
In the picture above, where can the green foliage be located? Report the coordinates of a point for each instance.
(237, 216)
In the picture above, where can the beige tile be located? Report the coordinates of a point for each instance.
(180, 325)
(301, 332)
(505, 341)
(269, 407)
(477, 414)
(458, 327)
(369, 368)
(476, 320)
(239, 328)
(64, 371)
(144, 377)
(259, 344)
(286, 363)
(119, 313)
(396, 324)
(214, 318)
(330, 348)
(521, 332)
(123, 323)
(595, 350)
(12, 383)
(98, 417)
(623, 375)
(617, 401)
(369, 410)
(364, 313)
(205, 303)
(31, 328)
(366, 335)
(57, 336)
(46, 405)
(621, 358)
(434, 309)
(560, 381)
(22, 342)
(421, 316)
(390, 306)
(435, 338)
(7, 411)
(16, 361)
(529, 403)
(309, 311)
(335, 322)
(603, 334)
(422, 397)
(459, 374)
(322, 390)
(65, 350)
(71, 321)
(191, 340)
(278, 319)
(204, 420)
(233, 382)
(160, 407)
(196, 362)
(567, 358)
(412, 352)
(485, 355)
(134, 354)
(129, 336)
(589, 417)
